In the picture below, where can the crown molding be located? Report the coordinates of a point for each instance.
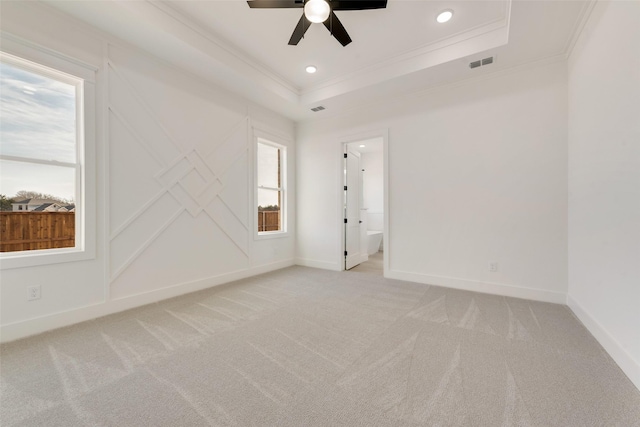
(483, 37)
(404, 98)
(223, 44)
(419, 53)
(185, 32)
(579, 27)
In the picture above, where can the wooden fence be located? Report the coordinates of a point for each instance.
(26, 231)
(268, 220)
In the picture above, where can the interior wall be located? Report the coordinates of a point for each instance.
(477, 173)
(373, 189)
(604, 180)
(175, 184)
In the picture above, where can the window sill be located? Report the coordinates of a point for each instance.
(271, 235)
(43, 257)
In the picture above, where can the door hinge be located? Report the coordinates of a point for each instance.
(345, 220)
(345, 253)
(345, 155)
(345, 188)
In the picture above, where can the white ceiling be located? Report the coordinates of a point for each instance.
(371, 145)
(395, 51)
(379, 35)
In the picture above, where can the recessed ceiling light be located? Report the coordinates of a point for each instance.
(444, 16)
(362, 145)
(311, 69)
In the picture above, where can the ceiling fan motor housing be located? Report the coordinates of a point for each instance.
(317, 11)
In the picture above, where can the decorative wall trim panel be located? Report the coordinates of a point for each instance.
(146, 227)
(189, 179)
(145, 245)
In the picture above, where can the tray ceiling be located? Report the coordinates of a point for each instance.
(395, 50)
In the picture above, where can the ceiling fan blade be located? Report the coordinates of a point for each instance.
(357, 4)
(277, 4)
(301, 28)
(336, 28)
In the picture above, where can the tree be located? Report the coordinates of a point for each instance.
(5, 203)
(24, 194)
(268, 208)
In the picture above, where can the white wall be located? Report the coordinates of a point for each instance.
(477, 173)
(163, 138)
(604, 180)
(373, 189)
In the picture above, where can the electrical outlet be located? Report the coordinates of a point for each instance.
(493, 267)
(33, 293)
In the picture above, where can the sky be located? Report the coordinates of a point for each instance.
(37, 120)
(267, 174)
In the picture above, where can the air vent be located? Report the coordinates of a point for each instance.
(318, 108)
(481, 62)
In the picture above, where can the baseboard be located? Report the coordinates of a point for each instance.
(625, 361)
(478, 286)
(23, 329)
(318, 264)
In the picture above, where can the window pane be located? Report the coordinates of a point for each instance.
(268, 166)
(268, 199)
(55, 181)
(45, 218)
(269, 212)
(37, 116)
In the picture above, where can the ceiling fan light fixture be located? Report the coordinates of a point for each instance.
(317, 11)
(444, 16)
(311, 69)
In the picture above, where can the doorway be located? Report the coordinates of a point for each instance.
(363, 205)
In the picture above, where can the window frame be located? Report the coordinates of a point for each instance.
(49, 63)
(261, 137)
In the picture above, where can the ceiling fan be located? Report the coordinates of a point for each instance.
(316, 11)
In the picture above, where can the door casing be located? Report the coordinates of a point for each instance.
(341, 147)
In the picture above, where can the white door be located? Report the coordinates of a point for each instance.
(352, 210)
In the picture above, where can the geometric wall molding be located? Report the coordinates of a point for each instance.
(191, 182)
(195, 179)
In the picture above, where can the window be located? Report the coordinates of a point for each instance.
(46, 146)
(270, 173)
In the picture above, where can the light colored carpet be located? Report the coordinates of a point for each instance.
(307, 347)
